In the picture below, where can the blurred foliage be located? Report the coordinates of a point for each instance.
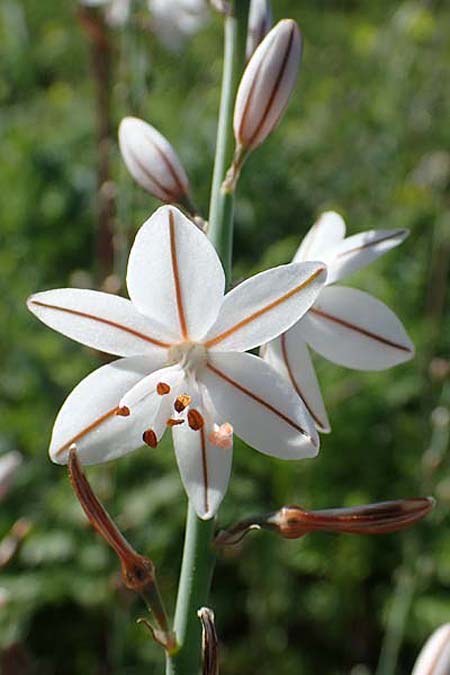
(367, 134)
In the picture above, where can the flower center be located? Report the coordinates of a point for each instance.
(190, 355)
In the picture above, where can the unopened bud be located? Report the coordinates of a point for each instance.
(259, 23)
(434, 659)
(267, 84)
(153, 162)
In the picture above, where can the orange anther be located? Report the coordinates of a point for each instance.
(174, 423)
(150, 438)
(195, 419)
(162, 388)
(181, 402)
(124, 411)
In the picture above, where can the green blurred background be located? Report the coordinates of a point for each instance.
(367, 134)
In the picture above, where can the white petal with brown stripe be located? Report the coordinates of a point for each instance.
(178, 330)
(354, 329)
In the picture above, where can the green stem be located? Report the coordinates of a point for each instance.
(221, 209)
(198, 559)
(193, 590)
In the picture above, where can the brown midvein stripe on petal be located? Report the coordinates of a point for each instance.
(259, 400)
(90, 427)
(295, 384)
(358, 329)
(369, 244)
(171, 170)
(255, 315)
(107, 322)
(273, 93)
(176, 277)
(204, 469)
(159, 185)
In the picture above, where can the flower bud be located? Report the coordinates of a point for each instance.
(266, 84)
(259, 23)
(434, 659)
(152, 161)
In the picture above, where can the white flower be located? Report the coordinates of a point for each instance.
(117, 12)
(176, 20)
(346, 326)
(434, 659)
(184, 366)
(152, 161)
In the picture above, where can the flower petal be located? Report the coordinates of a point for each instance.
(353, 329)
(89, 416)
(290, 357)
(355, 252)
(326, 232)
(205, 469)
(174, 274)
(100, 320)
(264, 306)
(262, 407)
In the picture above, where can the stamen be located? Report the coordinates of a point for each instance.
(124, 411)
(150, 438)
(174, 423)
(162, 388)
(195, 420)
(222, 436)
(181, 402)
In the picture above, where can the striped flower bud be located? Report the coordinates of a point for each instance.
(153, 162)
(259, 23)
(266, 84)
(434, 659)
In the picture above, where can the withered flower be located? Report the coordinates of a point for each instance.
(138, 572)
(293, 522)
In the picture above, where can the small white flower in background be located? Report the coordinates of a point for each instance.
(434, 659)
(152, 161)
(174, 21)
(259, 24)
(184, 366)
(267, 84)
(9, 463)
(117, 12)
(346, 326)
